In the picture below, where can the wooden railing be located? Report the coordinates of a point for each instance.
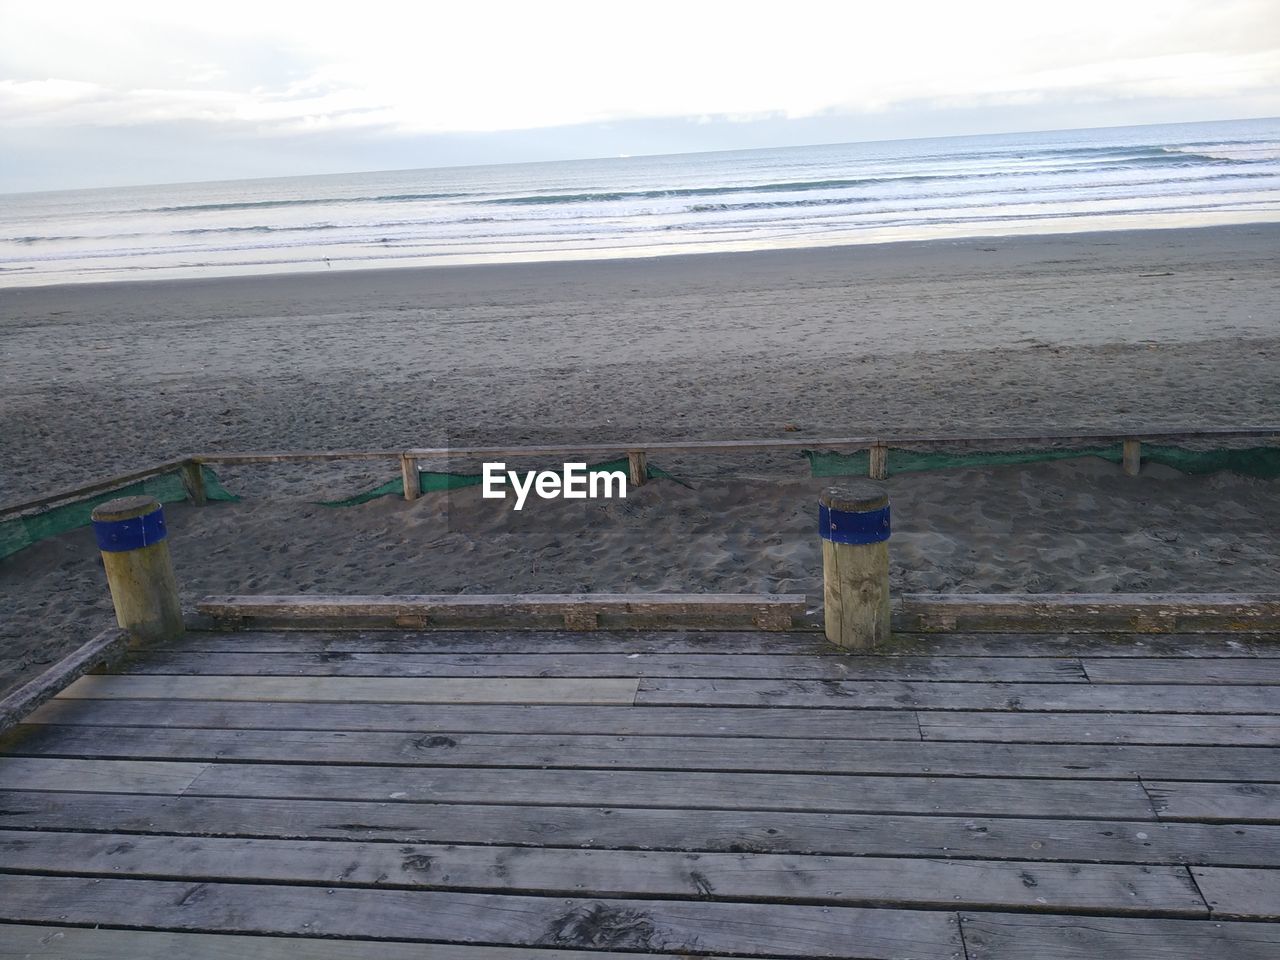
(637, 454)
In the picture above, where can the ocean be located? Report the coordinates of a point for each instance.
(1189, 174)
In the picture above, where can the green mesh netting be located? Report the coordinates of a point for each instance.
(22, 532)
(1261, 462)
(430, 482)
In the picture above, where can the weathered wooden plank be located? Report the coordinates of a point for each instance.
(495, 690)
(1216, 802)
(1069, 761)
(1245, 670)
(1094, 645)
(732, 831)
(672, 926)
(44, 942)
(634, 788)
(101, 649)
(104, 485)
(737, 643)
(1134, 698)
(1240, 893)
(766, 610)
(1023, 669)
(855, 881)
(827, 443)
(1089, 613)
(778, 722)
(310, 641)
(112, 776)
(994, 936)
(1149, 728)
(297, 456)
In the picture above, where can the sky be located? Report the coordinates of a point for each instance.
(114, 93)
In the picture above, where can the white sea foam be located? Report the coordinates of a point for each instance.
(1015, 183)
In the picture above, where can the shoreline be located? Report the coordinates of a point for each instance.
(589, 258)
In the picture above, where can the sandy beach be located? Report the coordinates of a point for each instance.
(1124, 330)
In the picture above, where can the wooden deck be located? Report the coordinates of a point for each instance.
(554, 796)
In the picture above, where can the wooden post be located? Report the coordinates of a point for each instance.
(193, 481)
(878, 462)
(1132, 457)
(409, 474)
(135, 553)
(854, 524)
(637, 467)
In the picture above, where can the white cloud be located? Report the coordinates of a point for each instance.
(418, 68)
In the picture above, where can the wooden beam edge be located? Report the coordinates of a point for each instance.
(1088, 613)
(102, 649)
(774, 612)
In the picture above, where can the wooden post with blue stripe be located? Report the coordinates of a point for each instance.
(854, 524)
(135, 553)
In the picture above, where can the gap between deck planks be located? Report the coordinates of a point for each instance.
(437, 916)
(626, 665)
(728, 754)
(1086, 799)
(653, 828)
(770, 723)
(51, 942)
(844, 695)
(1104, 889)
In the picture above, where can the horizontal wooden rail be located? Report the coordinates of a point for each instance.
(829, 443)
(575, 611)
(102, 649)
(1088, 613)
(638, 451)
(296, 456)
(83, 492)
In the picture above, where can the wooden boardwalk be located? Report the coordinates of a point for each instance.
(554, 796)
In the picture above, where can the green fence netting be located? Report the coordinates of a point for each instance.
(1264, 462)
(1261, 462)
(21, 532)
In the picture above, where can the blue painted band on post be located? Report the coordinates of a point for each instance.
(117, 536)
(840, 526)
